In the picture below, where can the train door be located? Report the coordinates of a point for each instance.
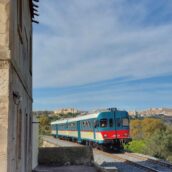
(79, 131)
(115, 122)
(95, 128)
(56, 131)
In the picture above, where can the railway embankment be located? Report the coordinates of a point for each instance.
(58, 155)
(123, 162)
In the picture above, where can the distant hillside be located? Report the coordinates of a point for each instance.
(162, 113)
(157, 111)
(153, 112)
(37, 113)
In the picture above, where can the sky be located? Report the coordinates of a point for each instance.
(91, 54)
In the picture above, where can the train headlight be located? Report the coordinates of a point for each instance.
(105, 135)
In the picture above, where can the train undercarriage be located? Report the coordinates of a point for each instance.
(106, 145)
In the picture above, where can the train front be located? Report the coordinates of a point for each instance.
(114, 128)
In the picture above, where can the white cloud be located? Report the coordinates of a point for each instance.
(82, 42)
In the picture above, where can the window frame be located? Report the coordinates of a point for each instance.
(101, 120)
(127, 122)
(20, 18)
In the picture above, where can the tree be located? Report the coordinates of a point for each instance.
(44, 127)
(150, 125)
(151, 136)
(44, 120)
(160, 144)
(136, 129)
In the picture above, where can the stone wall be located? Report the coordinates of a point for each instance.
(66, 155)
(4, 103)
(48, 144)
(15, 86)
(4, 84)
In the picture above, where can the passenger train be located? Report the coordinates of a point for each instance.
(105, 129)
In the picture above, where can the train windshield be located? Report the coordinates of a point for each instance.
(125, 122)
(103, 123)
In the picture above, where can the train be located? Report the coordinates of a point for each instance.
(105, 129)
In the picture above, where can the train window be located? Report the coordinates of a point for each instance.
(103, 123)
(88, 124)
(84, 123)
(125, 122)
(111, 122)
(96, 123)
(118, 122)
(73, 125)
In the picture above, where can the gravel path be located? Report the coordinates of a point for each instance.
(60, 142)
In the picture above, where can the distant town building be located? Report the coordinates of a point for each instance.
(152, 112)
(16, 17)
(66, 111)
(157, 111)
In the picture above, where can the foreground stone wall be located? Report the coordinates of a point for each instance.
(15, 86)
(65, 156)
(4, 103)
(4, 84)
(20, 127)
(48, 144)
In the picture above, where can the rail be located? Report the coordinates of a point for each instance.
(126, 160)
(154, 160)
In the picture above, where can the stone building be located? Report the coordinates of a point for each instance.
(16, 17)
(66, 111)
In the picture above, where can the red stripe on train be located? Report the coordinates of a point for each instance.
(120, 134)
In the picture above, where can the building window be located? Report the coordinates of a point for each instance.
(30, 56)
(30, 130)
(19, 134)
(26, 139)
(20, 19)
(19, 15)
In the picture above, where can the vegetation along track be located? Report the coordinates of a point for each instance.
(138, 161)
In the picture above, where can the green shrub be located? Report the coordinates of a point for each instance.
(136, 146)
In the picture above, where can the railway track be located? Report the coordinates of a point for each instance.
(151, 159)
(139, 162)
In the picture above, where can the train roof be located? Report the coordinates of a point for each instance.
(78, 118)
(59, 121)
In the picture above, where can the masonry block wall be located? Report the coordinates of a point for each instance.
(15, 86)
